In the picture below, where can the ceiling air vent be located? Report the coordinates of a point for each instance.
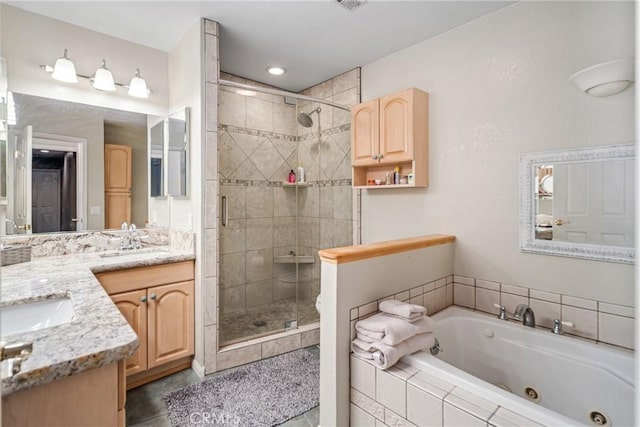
(351, 4)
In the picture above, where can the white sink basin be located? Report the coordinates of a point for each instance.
(33, 316)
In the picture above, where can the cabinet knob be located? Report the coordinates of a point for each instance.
(374, 157)
(380, 156)
(153, 296)
(143, 299)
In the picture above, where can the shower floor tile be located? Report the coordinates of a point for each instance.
(264, 320)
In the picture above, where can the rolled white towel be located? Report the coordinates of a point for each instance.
(390, 330)
(403, 310)
(385, 356)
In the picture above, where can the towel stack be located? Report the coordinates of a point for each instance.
(399, 329)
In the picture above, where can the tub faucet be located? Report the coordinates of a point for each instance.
(524, 312)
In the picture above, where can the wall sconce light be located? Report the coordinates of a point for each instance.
(65, 71)
(606, 79)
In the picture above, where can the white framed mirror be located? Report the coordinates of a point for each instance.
(178, 153)
(157, 160)
(579, 203)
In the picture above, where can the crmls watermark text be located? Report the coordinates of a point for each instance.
(204, 418)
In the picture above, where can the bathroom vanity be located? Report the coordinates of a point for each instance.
(76, 372)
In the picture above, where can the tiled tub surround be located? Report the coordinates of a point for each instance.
(98, 334)
(360, 276)
(594, 320)
(443, 391)
(259, 142)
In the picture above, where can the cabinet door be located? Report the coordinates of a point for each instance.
(117, 167)
(133, 307)
(364, 134)
(171, 322)
(117, 208)
(396, 127)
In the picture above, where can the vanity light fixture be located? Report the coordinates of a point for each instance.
(65, 71)
(276, 70)
(138, 87)
(103, 79)
(606, 79)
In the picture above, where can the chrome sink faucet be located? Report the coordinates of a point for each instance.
(525, 313)
(130, 239)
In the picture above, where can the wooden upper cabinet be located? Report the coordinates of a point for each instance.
(396, 120)
(390, 133)
(365, 133)
(171, 314)
(133, 306)
(117, 167)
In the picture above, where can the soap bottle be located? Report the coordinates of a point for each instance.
(300, 174)
(292, 177)
(387, 179)
(396, 175)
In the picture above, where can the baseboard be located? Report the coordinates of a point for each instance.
(197, 368)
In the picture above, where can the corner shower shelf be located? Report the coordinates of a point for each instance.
(295, 184)
(294, 259)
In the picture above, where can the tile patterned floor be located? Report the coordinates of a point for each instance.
(146, 408)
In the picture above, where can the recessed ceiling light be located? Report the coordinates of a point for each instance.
(276, 70)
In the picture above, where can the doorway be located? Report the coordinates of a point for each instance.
(66, 155)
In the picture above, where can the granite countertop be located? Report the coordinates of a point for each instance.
(98, 334)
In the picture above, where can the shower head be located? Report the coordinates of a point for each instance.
(305, 118)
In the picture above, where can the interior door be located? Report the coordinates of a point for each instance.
(46, 200)
(22, 167)
(593, 202)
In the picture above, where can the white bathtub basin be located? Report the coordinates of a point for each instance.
(33, 316)
(572, 377)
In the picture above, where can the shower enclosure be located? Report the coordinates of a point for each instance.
(271, 230)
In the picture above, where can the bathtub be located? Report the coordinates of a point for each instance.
(499, 360)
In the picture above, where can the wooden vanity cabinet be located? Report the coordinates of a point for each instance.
(387, 132)
(158, 303)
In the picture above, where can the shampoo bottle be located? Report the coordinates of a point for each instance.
(300, 174)
(292, 177)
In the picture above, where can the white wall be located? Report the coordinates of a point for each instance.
(498, 88)
(185, 90)
(29, 40)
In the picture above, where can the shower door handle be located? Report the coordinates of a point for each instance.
(225, 212)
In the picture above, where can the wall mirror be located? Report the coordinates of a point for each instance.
(61, 180)
(178, 153)
(156, 159)
(579, 203)
(4, 120)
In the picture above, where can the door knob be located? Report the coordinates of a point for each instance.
(24, 227)
(560, 222)
(76, 219)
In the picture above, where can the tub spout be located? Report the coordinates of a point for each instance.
(525, 313)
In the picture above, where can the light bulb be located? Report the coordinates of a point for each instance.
(138, 87)
(103, 79)
(64, 70)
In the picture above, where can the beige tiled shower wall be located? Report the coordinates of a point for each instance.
(258, 141)
(595, 320)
